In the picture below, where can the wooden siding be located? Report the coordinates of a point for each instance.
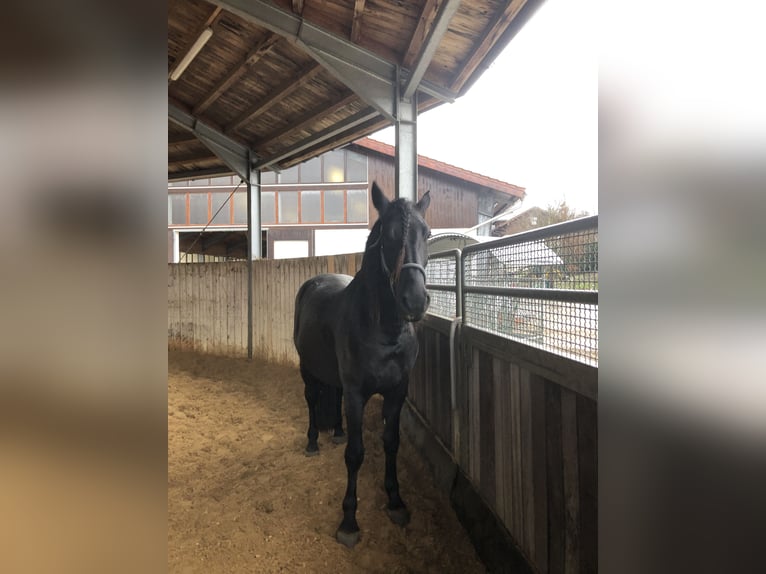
(455, 203)
(207, 304)
(524, 431)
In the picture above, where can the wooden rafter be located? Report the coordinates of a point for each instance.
(181, 139)
(261, 49)
(304, 122)
(489, 38)
(212, 17)
(425, 22)
(193, 159)
(356, 23)
(274, 97)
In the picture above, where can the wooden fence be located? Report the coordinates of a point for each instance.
(207, 304)
(523, 432)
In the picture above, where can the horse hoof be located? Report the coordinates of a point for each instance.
(339, 439)
(348, 539)
(311, 452)
(399, 516)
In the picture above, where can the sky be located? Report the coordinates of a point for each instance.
(532, 118)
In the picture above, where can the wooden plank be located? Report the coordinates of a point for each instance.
(527, 461)
(539, 446)
(573, 375)
(501, 376)
(356, 21)
(443, 390)
(474, 421)
(516, 475)
(276, 96)
(587, 446)
(571, 482)
(487, 428)
(555, 474)
(262, 48)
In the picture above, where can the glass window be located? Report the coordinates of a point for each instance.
(268, 177)
(289, 175)
(177, 208)
(218, 199)
(288, 207)
(198, 208)
(240, 207)
(311, 171)
(199, 182)
(356, 166)
(333, 167)
(357, 206)
(333, 206)
(310, 203)
(267, 207)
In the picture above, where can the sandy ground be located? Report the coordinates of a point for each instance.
(242, 497)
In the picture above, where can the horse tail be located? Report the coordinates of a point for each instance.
(296, 315)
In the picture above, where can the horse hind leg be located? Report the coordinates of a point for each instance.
(339, 437)
(311, 392)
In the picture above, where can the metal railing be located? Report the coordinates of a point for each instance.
(539, 287)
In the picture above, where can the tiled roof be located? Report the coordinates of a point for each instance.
(446, 168)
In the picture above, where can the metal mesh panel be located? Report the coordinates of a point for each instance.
(561, 261)
(441, 271)
(569, 329)
(564, 261)
(442, 303)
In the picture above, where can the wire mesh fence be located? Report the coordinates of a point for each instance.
(442, 280)
(539, 287)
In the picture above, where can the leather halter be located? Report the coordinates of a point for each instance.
(387, 271)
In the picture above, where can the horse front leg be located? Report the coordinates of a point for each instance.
(392, 408)
(348, 531)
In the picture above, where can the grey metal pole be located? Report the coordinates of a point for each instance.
(406, 146)
(253, 241)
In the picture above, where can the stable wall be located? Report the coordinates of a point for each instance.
(207, 304)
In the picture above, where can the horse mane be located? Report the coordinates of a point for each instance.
(371, 258)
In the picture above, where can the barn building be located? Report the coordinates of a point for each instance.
(321, 206)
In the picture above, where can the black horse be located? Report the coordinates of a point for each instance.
(357, 335)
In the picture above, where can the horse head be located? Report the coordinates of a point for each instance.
(402, 237)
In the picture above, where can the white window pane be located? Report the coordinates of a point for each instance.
(333, 206)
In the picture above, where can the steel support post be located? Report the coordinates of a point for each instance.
(407, 147)
(253, 241)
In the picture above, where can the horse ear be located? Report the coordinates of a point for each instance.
(424, 202)
(379, 200)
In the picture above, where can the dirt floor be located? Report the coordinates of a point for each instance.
(242, 497)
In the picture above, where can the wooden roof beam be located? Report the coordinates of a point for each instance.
(280, 94)
(259, 51)
(199, 173)
(181, 139)
(428, 47)
(356, 22)
(490, 36)
(181, 162)
(425, 22)
(305, 121)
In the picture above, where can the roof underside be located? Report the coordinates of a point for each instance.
(258, 83)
